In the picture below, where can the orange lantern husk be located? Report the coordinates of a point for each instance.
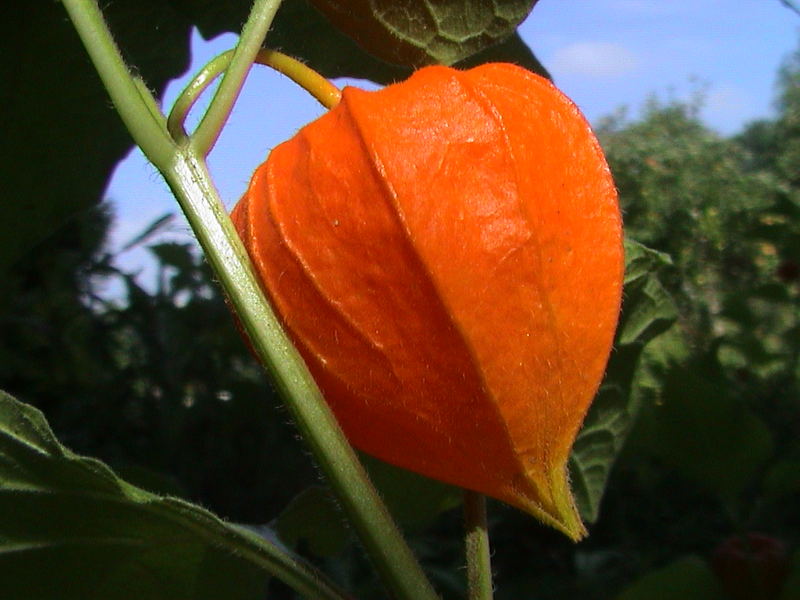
(446, 253)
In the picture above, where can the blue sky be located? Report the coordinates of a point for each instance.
(604, 54)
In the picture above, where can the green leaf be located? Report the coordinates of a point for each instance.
(302, 31)
(597, 445)
(687, 578)
(512, 50)
(648, 309)
(298, 30)
(418, 32)
(647, 312)
(70, 529)
(641, 261)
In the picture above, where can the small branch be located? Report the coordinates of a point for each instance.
(315, 84)
(479, 562)
(323, 90)
(253, 33)
(192, 92)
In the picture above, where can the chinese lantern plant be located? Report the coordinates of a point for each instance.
(446, 253)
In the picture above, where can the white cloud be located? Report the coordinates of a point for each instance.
(594, 59)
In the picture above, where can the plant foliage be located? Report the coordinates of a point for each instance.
(693, 437)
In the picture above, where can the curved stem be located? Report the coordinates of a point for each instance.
(323, 90)
(479, 562)
(253, 33)
(315, 84)
(192, 92)
(134, 102)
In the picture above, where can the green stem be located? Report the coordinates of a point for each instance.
(192, 92)
(479, 562)
(315, 84)
(323, 90)
(253, 33)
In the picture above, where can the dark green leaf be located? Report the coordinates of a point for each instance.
(647, 307)
(647, 311)
(596, 447)
(60, 142)
(773, 292)
(150, 480)
(299, 30)
(70, 529)
(417, 32)
(641, 261)
(302, 31)
(513, 50)
(688, 578)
